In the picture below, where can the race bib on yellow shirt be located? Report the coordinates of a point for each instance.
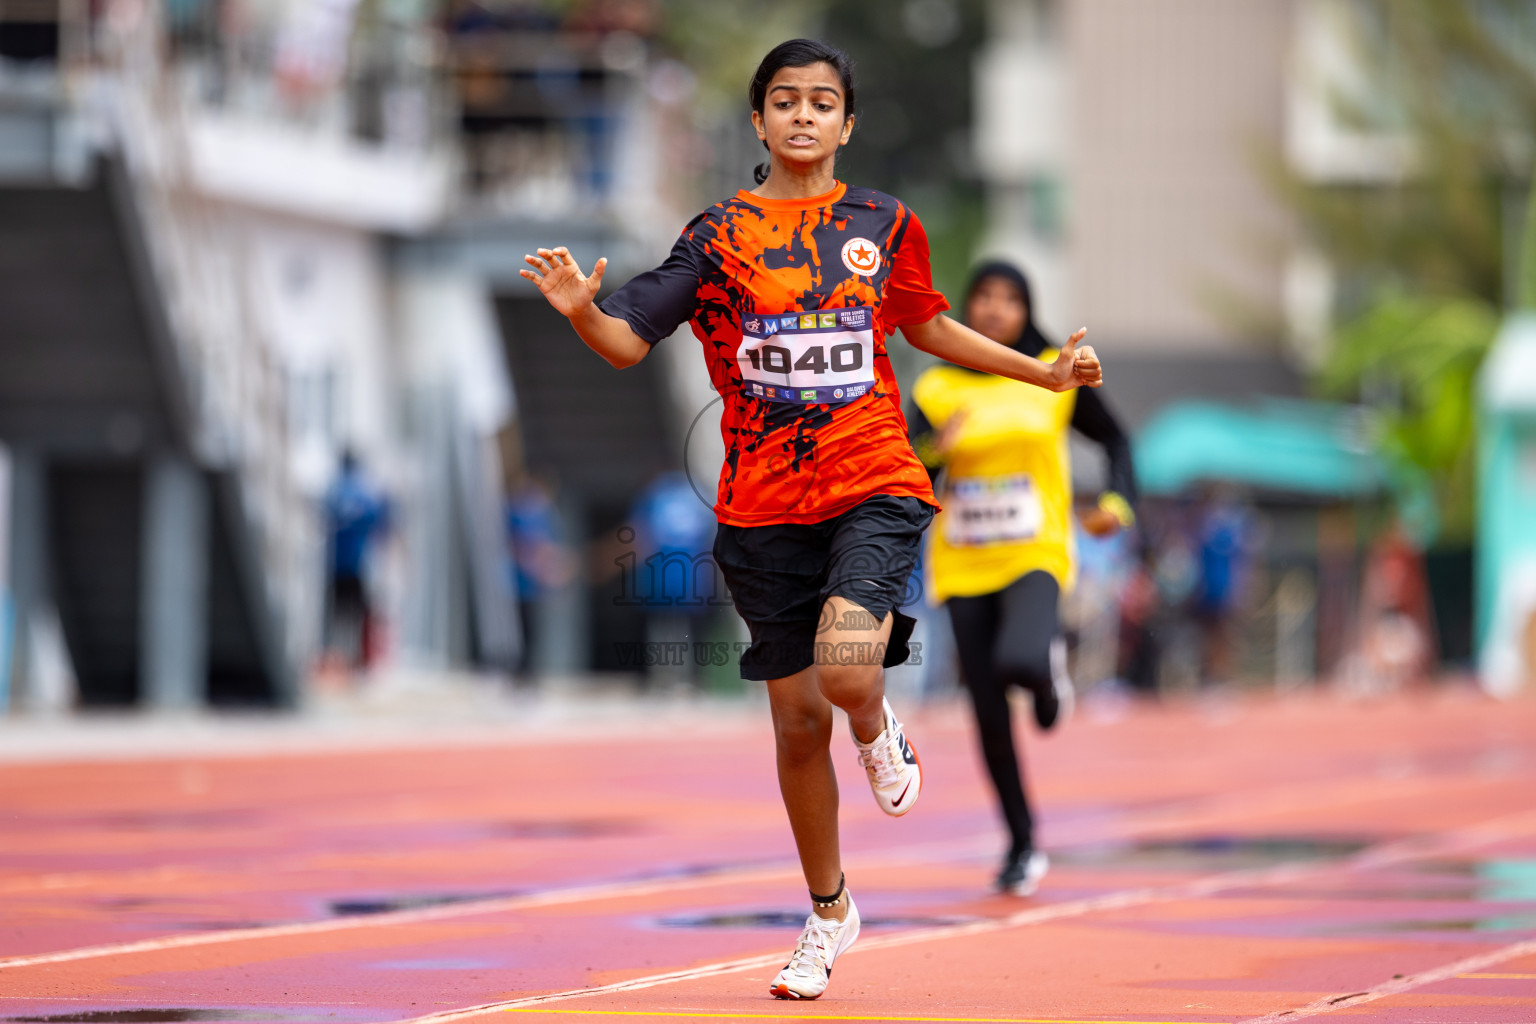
(811, 358)
(992, 510)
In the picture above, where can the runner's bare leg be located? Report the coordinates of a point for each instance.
(802, 725)
(850, 646)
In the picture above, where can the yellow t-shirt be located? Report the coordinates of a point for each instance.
(1008, 489)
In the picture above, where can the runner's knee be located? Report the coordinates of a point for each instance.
(849, 685)
(802, 730)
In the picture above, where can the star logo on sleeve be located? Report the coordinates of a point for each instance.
(861, 256)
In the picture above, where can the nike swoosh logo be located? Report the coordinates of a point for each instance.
(897, 802)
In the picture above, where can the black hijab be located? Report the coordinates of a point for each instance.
(1030, 341)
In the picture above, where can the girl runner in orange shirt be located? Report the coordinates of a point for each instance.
(792, 288)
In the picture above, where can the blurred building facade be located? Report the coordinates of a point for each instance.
(202, 206)
(1131, 156)
(243, 237)
(1122, 148)
(240, 236)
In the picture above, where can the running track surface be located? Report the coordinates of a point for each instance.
(1255, 860)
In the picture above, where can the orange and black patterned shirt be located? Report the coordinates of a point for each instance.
(793, 300)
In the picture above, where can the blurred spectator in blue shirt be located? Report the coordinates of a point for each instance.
(1226, 538)
(355, 513)
(542, 561)
(678, 584)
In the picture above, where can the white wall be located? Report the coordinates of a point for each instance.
(1176, 106)
(319, 294)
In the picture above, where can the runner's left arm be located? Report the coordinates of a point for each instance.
(952, 340)
(913, 305)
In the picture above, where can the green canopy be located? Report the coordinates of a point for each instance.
(1297, 447)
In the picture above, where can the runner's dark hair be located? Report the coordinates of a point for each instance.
(798, 53)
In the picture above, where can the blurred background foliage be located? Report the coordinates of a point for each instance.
(1428, 266)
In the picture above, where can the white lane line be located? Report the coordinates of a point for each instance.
(450, 911)
(1183, 813)
(1328, 1004)
(595, 893)
(923, 854)
(1039, 915)
(1379, 856)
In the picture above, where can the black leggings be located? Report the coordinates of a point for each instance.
(1004, 639)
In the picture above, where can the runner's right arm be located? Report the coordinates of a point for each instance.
(571, 293)
(625, 326)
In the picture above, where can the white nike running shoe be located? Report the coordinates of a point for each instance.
(895, 773)
(810, 965)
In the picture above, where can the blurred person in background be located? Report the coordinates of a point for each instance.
(674, 535)
(1226, 536)
(1002, 552)
(356, 515)
(792, 288)
(1140, 606)
(542, 562)
(1397, 638)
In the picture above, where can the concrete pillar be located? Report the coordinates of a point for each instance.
(173, 627)
(28, 567)
(563, 622)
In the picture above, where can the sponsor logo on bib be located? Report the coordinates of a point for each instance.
(861, 256)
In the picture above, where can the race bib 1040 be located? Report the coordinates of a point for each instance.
(991, 510)
(826, 356)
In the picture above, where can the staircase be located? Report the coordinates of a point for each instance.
(601, 433)
(90, 385)
(147, 423)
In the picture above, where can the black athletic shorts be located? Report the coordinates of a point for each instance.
(780, 576)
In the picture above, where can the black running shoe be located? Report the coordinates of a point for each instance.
(1022, 872)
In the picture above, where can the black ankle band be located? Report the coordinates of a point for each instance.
(830, 901)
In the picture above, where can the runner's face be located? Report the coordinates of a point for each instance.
(997, 310)
(802, 118)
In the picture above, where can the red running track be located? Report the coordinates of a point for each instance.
(1255, 860)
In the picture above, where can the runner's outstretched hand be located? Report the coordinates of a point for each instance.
(1076, 367)
(561, 280)
(571, 293)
